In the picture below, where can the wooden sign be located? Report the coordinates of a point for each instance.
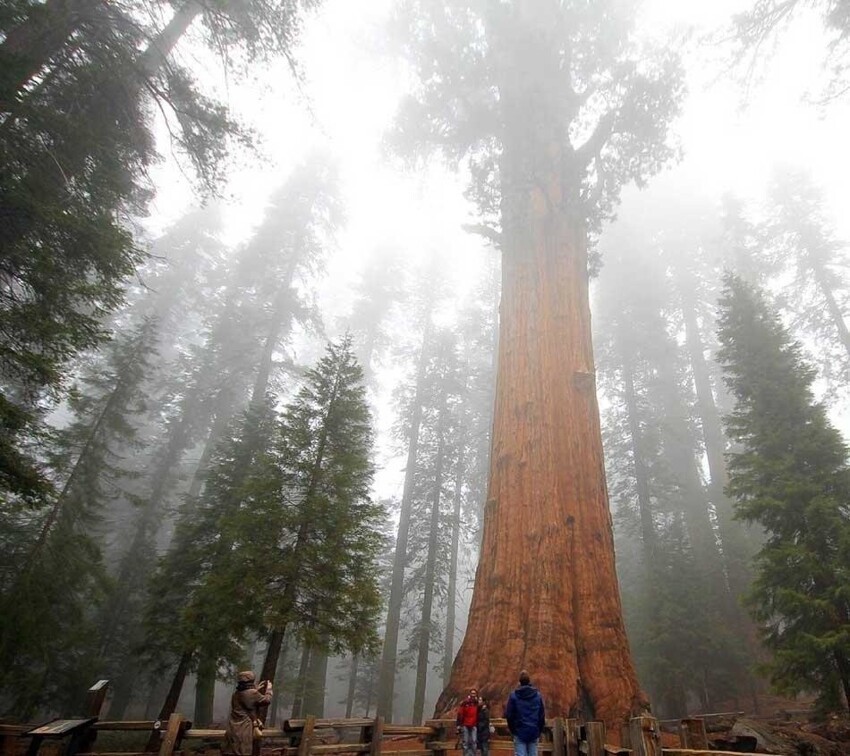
(58, 728)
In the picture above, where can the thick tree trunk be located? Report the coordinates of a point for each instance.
(205, 691)
(386, 683)
(546, 596)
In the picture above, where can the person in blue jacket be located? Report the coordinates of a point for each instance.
(526, 716)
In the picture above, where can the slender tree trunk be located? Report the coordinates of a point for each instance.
(844, 673)
(424, 649)
(647, 525)
(300, 683)
(451, 598)
(205, 690)
(316, 683)
(834, 310)
(386, 682)
(169, 706)
(352, 686)
(736, 553)
(546, 596)
(156, 54)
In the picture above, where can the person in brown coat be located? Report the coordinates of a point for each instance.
(244, 714)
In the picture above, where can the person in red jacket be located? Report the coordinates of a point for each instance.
(467, 722)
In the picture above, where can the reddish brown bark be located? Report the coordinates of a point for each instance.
(546, 596)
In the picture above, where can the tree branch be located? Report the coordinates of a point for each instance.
(594, 144)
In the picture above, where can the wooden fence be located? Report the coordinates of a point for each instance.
(313, 737)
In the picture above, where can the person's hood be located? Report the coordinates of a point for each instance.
(245, 677)
(526, 692)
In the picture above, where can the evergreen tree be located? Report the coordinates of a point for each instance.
(54, 577)
(80, 86)
(676, 586)
(801, 251)
(200, 598)
(553, 113)
(791, 476)
(319, 549)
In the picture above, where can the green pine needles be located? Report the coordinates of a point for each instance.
(284, 539)
(789, 473)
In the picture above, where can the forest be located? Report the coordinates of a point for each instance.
(389, 347)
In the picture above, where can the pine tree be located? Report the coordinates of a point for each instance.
(791, 476)
(55, 576)
(319, 550)
(201, 597)
(801, 251)
(81, 83)
(677, 584)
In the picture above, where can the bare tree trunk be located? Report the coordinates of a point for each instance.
(169, 706)
(316, 683)
(205, 691)
(451, 599)
(423, 651)
(647, 526)
(300, 682)
(386, 682)
(834, 310)
(352, 686)
(157, 52)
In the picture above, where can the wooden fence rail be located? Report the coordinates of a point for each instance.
(305, 737)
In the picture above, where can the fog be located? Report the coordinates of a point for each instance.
(332, 222)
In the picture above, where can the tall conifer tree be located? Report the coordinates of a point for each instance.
(790, 475)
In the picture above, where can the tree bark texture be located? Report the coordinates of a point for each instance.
(546, 596)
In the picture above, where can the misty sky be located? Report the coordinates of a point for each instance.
(351, 86)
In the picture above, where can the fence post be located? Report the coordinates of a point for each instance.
(645, 736)
(438, 735)
(625, 736)
(307, 735)
(171, 735)
(377, 737)
(558, 737)
(595, 734)
(571, 737)
(692, 733)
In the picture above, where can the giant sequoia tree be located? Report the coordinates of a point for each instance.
(550, 104)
